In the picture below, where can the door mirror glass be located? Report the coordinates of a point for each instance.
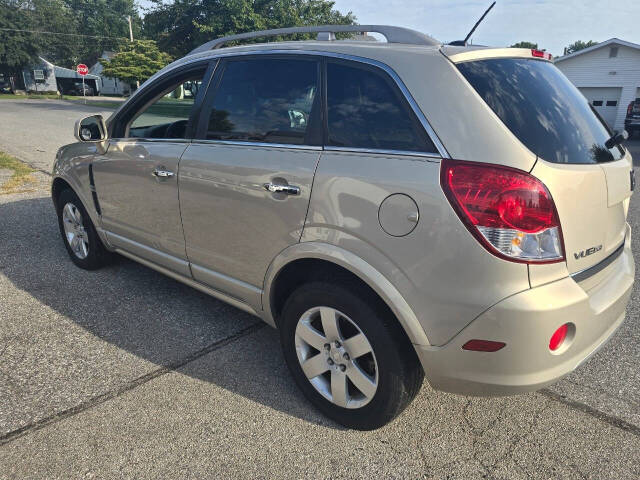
(91, 129)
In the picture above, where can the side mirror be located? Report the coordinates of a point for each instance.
(91, 129)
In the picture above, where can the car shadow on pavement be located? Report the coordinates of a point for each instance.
(145, 313)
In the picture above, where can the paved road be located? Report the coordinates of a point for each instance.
(126, 373)
(33, 130)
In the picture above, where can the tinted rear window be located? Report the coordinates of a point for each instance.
(542, 108)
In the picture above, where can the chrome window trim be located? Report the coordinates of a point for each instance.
(291, 146)
(433, 157)
(442, 151)
(151, 140)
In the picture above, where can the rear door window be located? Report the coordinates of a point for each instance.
(542, 108)
(267, 100)
(366, 110)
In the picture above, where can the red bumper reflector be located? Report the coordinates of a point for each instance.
(558, 337)
(483, 345)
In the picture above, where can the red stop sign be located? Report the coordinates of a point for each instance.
(82, 69)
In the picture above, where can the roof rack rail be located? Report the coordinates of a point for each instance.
(327, 32)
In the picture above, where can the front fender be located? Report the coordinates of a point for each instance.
(357, 266)
(72, 165)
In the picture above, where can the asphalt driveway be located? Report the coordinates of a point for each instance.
(124, 373)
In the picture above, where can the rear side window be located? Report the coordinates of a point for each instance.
(266, 100)
(542, 108)
(365, 110)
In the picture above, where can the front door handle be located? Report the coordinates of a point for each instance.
(160, 172)
(278, 188)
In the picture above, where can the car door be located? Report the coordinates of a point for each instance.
(245, 181)
(136, 180)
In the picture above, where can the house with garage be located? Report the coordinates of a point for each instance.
(608, 75)
(109, 86)
(43, 76)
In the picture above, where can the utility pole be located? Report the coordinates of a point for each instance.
(131, 39)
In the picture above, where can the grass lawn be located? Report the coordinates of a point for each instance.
(21, 177)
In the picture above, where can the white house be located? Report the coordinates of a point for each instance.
(44, 76)
(608, 74)
(110, 86)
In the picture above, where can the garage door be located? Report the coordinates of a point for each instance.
(606, 101)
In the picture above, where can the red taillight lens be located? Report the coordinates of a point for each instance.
(630, 108)
(558, 337)
(509, 211)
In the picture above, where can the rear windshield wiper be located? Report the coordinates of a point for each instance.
(616, 139)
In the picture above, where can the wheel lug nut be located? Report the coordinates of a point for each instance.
(346, 356)
(330, 362)
(337, 344)
(343, 367)
(327, 346)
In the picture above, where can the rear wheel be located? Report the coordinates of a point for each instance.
(79, 234)
(350, 358)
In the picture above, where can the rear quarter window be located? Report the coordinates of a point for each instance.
(365, 110)
(542, 108)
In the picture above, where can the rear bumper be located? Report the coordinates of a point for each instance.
(525, 322)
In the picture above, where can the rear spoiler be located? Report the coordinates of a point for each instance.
(466, 54)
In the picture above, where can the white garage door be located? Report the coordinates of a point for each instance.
(606, 101)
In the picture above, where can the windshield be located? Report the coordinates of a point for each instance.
(542, 108)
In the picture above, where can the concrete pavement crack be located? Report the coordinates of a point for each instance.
(584, 408)
(95, 401)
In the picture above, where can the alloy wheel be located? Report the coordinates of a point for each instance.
(74, 230)
(336, 357)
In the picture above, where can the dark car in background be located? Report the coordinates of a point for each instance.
(76, 89)
(5, 85)
(632, 120)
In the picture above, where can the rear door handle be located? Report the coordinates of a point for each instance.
(278, 188)
(161, 173)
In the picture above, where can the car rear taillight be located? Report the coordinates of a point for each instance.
(509, 211)
(630, 108)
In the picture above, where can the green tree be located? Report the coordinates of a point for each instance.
(525, 45)
(16, 48)
(182, 25)
(65, 32)
(136, 61)
(102, 20)
(578, 45)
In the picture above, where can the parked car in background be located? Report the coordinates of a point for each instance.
(77, 88)
(632, 120)
(397, 210)
(5, 85)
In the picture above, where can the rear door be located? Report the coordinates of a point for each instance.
(590, 183)
(245, 182)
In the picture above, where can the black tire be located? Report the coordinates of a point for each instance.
(97, 255)
(400, 374)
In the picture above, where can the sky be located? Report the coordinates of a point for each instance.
(552, 24)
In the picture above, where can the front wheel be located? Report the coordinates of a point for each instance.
(79, 234)
(348, 355)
